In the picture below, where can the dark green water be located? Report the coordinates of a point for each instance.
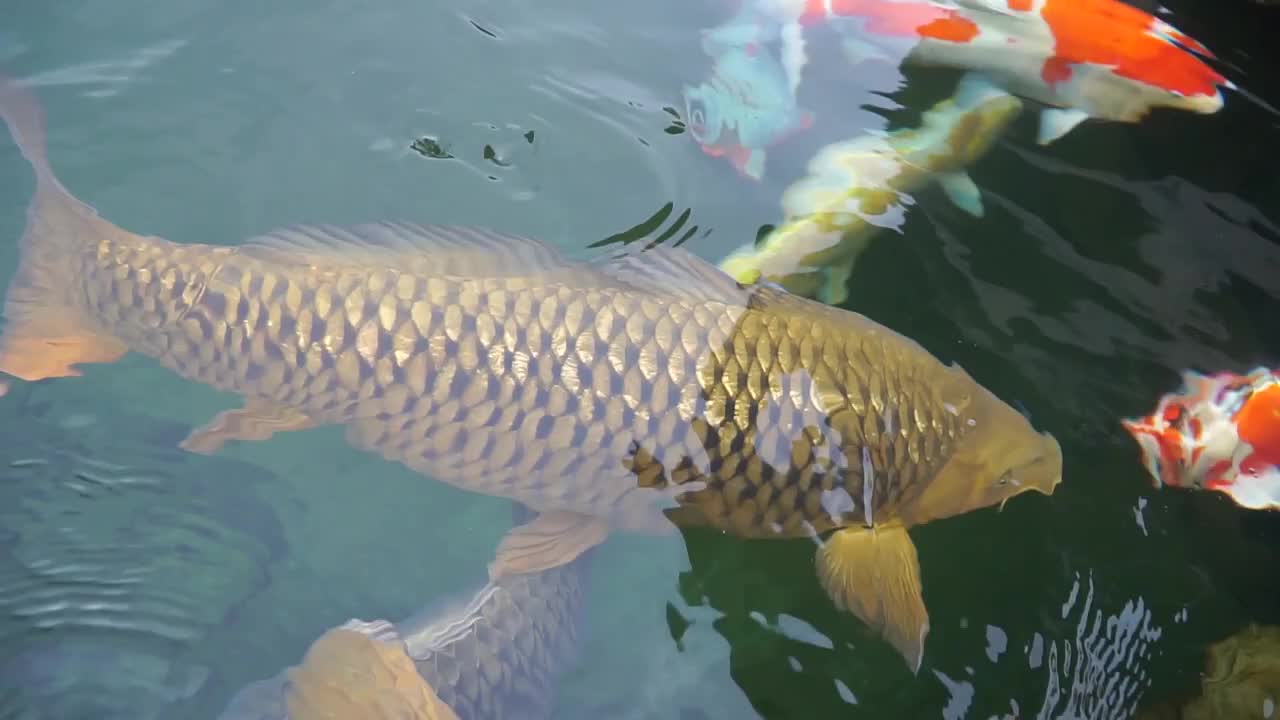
(1105, 264)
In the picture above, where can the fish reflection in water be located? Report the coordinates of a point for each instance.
(496, 655)
(102, 532)
(626, 392)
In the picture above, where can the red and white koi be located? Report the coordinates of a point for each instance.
(1085, 58)
(1218, 432)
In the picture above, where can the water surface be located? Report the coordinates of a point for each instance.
(1106, 263)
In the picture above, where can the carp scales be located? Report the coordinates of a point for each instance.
(637, 391)
(858, 187)
(496, 655)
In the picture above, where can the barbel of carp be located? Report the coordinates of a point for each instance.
(640, 391)
(497, 655)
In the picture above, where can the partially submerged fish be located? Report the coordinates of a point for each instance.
(624, 392)
(1099, 59)
(744, 108)
(1240, 679)
(858, 187)
(497, 655)
(1218, 432)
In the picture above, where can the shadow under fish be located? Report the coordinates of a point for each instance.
(497, 654)
(102, 535)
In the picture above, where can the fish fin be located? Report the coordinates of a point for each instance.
(550, 540)
(857, 50)
(874, 573)
(976, 88)
(433, 250)
(794, 57)
(1056, 122)
(671, 269)
(962, 192)
(835, 283)
(750, 163)
(47, 332)
(257, 420)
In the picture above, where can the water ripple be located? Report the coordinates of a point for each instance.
(116, 556)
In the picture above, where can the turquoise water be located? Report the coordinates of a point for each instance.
(1106, 263)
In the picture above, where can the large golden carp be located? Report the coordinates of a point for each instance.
(625, 392)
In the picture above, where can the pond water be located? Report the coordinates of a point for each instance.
(137, 580)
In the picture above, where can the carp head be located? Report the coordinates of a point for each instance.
(999, 455)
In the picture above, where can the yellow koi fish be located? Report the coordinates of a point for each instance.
(635, 392)
(858, 187)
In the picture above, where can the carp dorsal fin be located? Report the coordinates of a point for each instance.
(672, 270)
(419, 249)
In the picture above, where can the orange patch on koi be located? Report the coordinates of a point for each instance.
(1116, 35)
(1259, 424)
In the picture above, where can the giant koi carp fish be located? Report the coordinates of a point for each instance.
(638, 391)
(856, 188)
(1084, 59)
(1217, 432)
(496, 654)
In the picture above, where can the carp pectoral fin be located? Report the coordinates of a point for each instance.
(254, 421)
(874, 573)
(550, 540)
(963, 192)
(1056, 122)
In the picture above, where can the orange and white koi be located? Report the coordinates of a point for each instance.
(1085, 58)
(1218, 432)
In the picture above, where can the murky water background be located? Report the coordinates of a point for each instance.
(139, 581)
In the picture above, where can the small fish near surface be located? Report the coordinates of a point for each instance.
(1099, 59)
(1218, 432)
(859, 187)
(743, 109)
(639, 391)
(498, 654)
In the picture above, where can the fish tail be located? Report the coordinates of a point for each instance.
(46, 328)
